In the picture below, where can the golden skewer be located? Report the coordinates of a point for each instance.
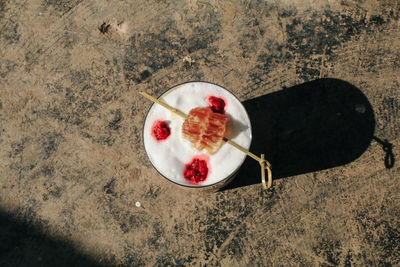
(165, 105)
(264, 163)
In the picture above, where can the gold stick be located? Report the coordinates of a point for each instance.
(261, 160)
(239, 147)
(183, 115)
(165, 105)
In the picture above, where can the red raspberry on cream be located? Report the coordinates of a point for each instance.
(160, 130)
(196, 171)
(216, 104)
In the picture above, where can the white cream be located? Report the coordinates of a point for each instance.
(170, 156)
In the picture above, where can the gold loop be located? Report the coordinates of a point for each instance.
(265, 165)
(262, 163)
(269, 177)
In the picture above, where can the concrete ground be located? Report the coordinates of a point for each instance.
(320, 80)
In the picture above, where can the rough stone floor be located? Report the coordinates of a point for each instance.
(320, 80)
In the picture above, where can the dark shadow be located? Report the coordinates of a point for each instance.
(305, 128)
(24, 243)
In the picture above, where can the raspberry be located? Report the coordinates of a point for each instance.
(196, 171)
(216, 104)
(160, 130)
